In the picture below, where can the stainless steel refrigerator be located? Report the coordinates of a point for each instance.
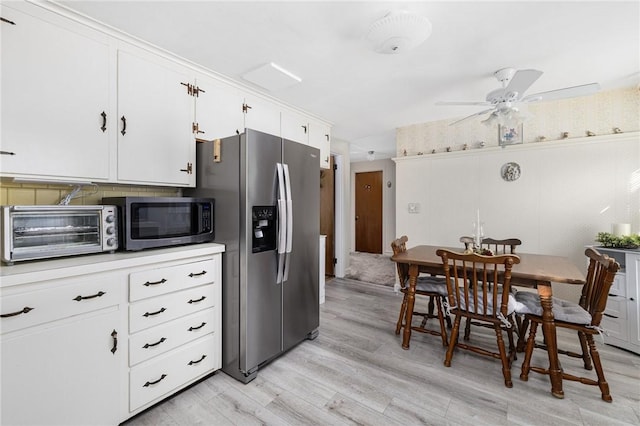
(267, 195)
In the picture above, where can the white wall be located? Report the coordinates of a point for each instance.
(567, 193)
(388, 169)
(340, 149)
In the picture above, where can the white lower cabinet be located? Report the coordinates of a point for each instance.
(621, 318)
(174, 325)
(94, 340)
(62, 352)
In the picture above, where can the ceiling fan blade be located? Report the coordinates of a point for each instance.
(472, 115)
(521, 81)
(567, 92)
(462, 103)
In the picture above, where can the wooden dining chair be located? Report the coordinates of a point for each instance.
(583, 317)
(504, 246)
(432, 287)
(488, 301)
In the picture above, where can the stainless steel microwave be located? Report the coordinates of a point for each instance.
(40, 232)
(149, 222)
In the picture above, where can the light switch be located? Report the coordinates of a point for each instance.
(414, 207)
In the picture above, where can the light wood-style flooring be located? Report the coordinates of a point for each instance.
(356, 372)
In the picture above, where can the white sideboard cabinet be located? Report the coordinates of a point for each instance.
(97, 339)
(621, 319)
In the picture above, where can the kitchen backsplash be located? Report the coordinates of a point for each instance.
(45, 194)
(598, 113)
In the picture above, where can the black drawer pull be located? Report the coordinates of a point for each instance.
(198, 361)
(148, 283)
(24, 310)
(114, 336)
(98, 294)
(610, 316)
(197, 300)
(198, 327)
(146, 385)
(148, 314)
(197, 274)
(149, 345)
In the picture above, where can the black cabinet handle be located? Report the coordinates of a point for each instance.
(7, 153)
(610, 316)
(149, 314)
(24, 310)
(124, 125)
(197, 274)
(146, 385)
(98, 294)
(198, 361)
(104, 121)
(114, 336)
(150, 345)
(148, 283)
(197, 300)
(198, 327)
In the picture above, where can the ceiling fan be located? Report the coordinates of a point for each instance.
(504, 101)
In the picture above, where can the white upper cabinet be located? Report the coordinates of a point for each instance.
(295, 126)
(218, 109)
(56, 118)
(262, 115)
(155, 117)
(320, 137)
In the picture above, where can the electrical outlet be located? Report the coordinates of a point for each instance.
(414, 207)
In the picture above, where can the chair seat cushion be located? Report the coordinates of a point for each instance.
(563, 310)
(512, 304)
(431, 285)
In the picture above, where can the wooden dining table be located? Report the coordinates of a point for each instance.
(534, 270)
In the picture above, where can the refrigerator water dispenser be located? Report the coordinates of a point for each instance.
(264, 228)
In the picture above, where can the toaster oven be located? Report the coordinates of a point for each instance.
(40, 232)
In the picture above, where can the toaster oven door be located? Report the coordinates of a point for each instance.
(41, 233)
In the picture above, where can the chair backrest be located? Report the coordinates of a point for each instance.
(400, 246)
(467, 241)
(501, 246)
(600, 275)
(473, 281)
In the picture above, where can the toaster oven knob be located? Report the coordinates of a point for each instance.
(109, 218)
(110, 230)
(111, 242)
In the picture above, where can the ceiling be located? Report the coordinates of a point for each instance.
(367, 95)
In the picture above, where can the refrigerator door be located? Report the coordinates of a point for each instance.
(301, 309)
(260, 294)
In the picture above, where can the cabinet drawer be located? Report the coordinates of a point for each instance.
(616, 328)
(619, 285)
(156, 378)
(155, 282)
(158, 340)
(60, 301)
(151, 312)
(617, 308)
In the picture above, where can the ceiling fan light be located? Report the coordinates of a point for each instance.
(398, 31)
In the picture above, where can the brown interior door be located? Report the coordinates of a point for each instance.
(369, 212)
(327, 215)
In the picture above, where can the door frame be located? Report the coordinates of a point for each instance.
(340, 237)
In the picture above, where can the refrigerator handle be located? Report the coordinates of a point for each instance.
(287, 180)
(282, 220)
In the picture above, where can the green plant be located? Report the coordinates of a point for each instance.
(626, 241)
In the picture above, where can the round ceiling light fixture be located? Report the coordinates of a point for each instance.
(398, 31)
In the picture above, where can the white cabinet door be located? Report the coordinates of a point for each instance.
(55, 88)
(633, 297)
(320, 137)
(295, 126)
(155, 115)
(218, 109)
(262, 115)
(64, 373)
